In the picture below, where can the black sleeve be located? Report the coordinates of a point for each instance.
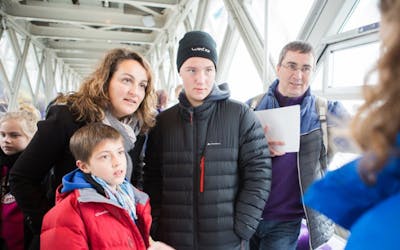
(255, 175)
(137, 156)
(152, 174)
(47, 146)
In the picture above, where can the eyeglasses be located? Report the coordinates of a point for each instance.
(306, 70)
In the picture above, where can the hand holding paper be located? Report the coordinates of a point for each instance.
(283, 126)
(272, 145)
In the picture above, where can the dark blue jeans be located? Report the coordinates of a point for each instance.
(276, 235)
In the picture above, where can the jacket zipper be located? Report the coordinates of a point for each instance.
(202, 174)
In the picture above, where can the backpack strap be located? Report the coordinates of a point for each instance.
(322, 110)
(255, 101)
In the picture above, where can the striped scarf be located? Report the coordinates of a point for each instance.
(123, 195)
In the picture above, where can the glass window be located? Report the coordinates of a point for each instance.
(58, 80)
(41, 103)
(243, 79)
(350, 70)
(165, 67)
(25, 94)
(3, 97)
(216, 21)
(44, 72)
(359, 16)
(21, 41)
(257, 10)
(286, 19)
(32, 67)
(8, 58)
(317, 80)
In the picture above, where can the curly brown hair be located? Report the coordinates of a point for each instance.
(377, 122)
(92, 98)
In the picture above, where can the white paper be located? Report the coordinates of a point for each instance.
(283, 125)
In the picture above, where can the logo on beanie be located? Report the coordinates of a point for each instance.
(202, 49)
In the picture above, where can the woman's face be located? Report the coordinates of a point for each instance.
(127, 88)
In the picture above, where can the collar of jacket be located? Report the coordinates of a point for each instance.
(202, 112)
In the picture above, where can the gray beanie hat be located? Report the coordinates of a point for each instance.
(196, 44)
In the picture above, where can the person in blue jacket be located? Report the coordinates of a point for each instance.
(364, 195)
(293, 172)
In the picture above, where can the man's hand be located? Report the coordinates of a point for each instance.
(272, 144)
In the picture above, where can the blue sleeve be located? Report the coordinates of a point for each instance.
(344, 197)
(337, 113)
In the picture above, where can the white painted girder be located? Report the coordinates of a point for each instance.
(76, 14)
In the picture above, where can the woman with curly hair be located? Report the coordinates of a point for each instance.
(119, 93)
(364, 195)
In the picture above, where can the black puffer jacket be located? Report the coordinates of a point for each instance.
(218, 204)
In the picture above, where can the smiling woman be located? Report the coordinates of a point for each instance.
(120, 93)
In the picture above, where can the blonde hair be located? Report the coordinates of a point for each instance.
(92, 98)
(27, 118)
(377, 122)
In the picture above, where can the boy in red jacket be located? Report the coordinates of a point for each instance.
(96, 207)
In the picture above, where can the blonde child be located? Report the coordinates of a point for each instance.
(16, 131)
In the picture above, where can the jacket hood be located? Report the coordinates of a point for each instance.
(218, 92)
(74, 180)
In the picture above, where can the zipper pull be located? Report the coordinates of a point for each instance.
(202, 174)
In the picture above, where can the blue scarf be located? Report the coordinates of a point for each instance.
(123, 195)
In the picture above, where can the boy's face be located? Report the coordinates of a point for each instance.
(12, 139)
(108, 162)
(198, 76)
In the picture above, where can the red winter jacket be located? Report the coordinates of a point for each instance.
(84, 219)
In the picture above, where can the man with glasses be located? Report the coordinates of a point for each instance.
(292, 173)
